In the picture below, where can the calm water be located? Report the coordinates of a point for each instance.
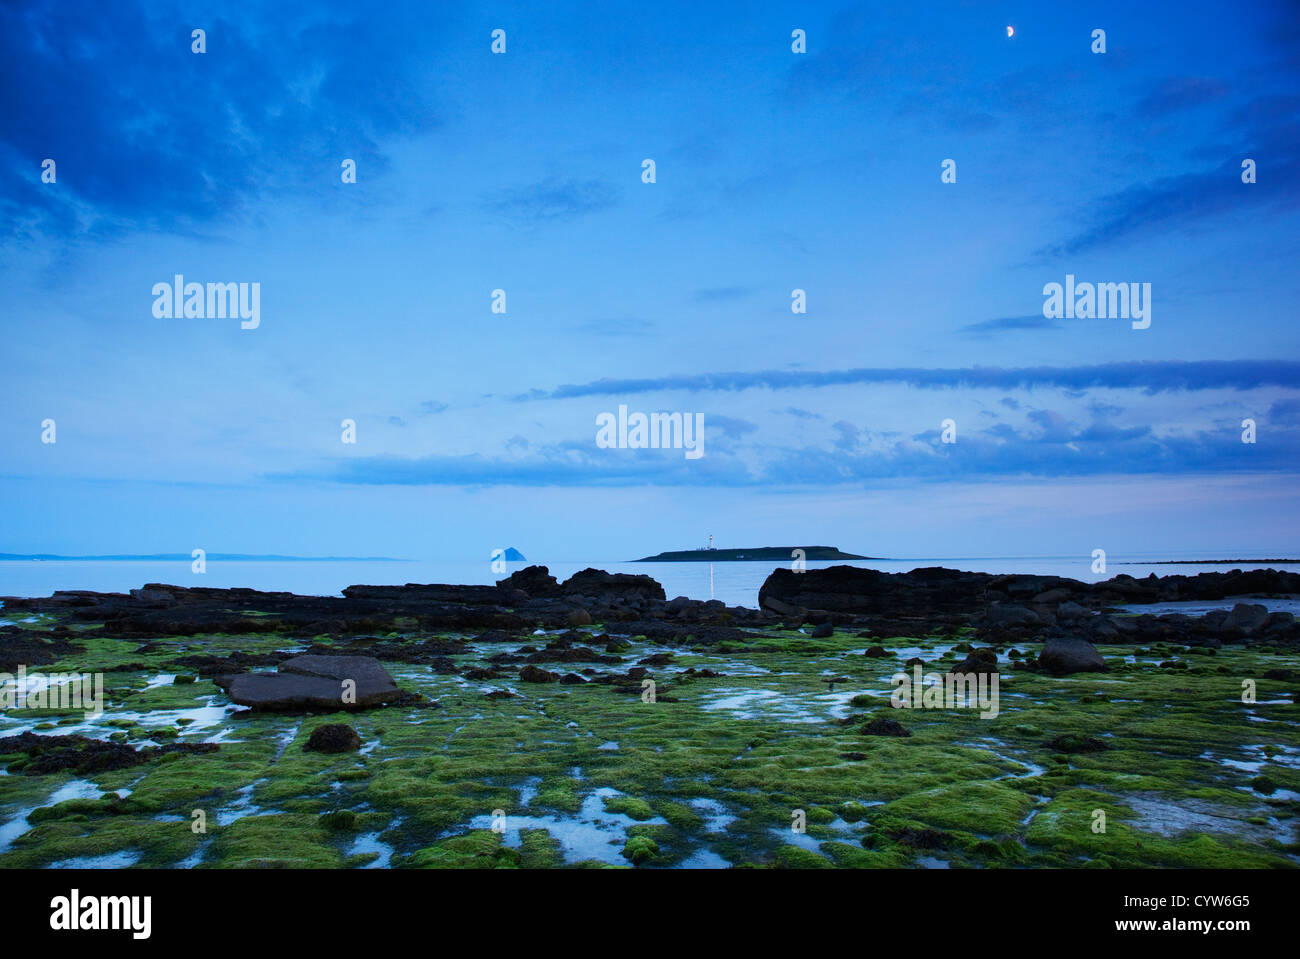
(736, 584)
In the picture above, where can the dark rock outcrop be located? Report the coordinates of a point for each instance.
(1013, 608)
(83, 756)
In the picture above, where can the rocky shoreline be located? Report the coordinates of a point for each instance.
(999, 609)
(1018, 608)
(615, 726)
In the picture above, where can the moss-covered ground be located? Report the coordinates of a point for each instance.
(718, 770)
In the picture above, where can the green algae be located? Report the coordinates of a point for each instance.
(629, 806)
(480, 849)
(640, 849)
(761, 740)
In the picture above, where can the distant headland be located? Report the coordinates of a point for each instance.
(757, 553)
(186, 557)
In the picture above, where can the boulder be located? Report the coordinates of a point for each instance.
(534, 674)
(884, 726)
(598, 583)
(1069, 611)
(1247, 616)
(1062, 656)
(1011, 615)
(983, 660)
(314, 682)
(536, 581)
(333, 738)
(783, 609)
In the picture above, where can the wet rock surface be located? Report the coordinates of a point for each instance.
(1062, 656)
(680, 731)
(81, 755)
(314, 682)
(1007, 608)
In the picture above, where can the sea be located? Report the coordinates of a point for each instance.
(735, 583)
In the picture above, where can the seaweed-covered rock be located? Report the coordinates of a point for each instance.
(535, 674)
(78, 754)
(884, 726)
(333, 738)
(980, 661)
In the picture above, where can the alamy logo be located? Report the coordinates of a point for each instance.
(653, 431)
(211, 301)
(1113, 301)
(949, 691)
(72, 912)
(84, 691)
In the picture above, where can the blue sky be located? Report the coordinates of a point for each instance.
(775, 171)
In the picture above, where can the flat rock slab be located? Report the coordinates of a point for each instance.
(359, 669)
(314, 682)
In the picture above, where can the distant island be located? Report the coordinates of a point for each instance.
(185, 557)
(1206, 562)
(757, 553)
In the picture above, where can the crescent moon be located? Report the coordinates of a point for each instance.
(1010, 31)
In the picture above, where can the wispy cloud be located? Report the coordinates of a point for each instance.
(135, 151)
(1034, 321)
(1155, 376)
(552, 200)
(1051, 446)
(1266, 129)
(718, 293)
(1180, 93)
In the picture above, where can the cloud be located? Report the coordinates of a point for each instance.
(148, 135)
(578, 465)
(553, 200)
(1102, 410)
(1154, 376)
(1180, 93)
(715, 294)
(1034, 321)
(1055, 427)
(1285, 413)
(730, 427)
(1267, 130)
(801, 414)
(848, 435)
(1050, 446)
(616, 327)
